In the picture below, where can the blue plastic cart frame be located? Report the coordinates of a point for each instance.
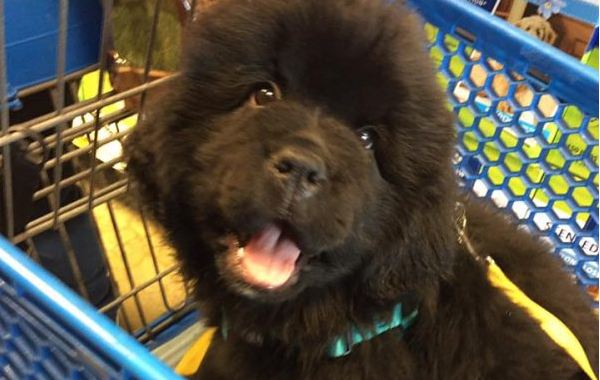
(41, 319)
(96, 333)
(461, 29)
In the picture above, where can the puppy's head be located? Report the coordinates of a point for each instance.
(305, 140)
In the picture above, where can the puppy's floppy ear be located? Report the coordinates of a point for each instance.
(140, 151)
(157, 154)
(141, 168)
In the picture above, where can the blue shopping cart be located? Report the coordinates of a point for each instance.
(33, 26)
(527, 123)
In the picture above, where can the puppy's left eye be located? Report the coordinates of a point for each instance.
(264, 94)
(366, 135)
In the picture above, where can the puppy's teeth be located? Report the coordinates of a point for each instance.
(240, 252)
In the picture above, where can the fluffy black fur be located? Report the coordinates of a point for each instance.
(380, 225)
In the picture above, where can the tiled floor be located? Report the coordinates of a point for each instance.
(136, 255)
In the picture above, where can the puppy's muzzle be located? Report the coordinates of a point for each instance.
(299, 172)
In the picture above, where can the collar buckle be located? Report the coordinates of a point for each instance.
(461, 231)
(341, 347)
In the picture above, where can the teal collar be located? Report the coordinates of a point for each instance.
(342, 345)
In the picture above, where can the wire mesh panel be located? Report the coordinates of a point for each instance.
(65, 111)
(47, 332)
(63, 186)
(527, 121)
(34, 344)
(67, 101)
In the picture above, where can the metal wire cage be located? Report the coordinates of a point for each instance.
(527, 122)
(61, 141)
(67, 101)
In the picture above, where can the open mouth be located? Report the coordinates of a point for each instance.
(267, 260)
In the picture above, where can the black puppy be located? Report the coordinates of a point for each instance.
(302, 169)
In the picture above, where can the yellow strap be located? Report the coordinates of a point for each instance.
(551, 325)
(191, 361)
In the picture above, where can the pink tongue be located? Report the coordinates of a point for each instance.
(269, 259)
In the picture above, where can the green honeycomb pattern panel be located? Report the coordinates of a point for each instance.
(525, 149)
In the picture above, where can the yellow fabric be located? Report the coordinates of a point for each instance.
(191, 361)
(552, 326)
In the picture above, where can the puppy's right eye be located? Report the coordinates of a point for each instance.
(366, 135)
(264, 94)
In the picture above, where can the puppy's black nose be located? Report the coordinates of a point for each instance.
(300, 171)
